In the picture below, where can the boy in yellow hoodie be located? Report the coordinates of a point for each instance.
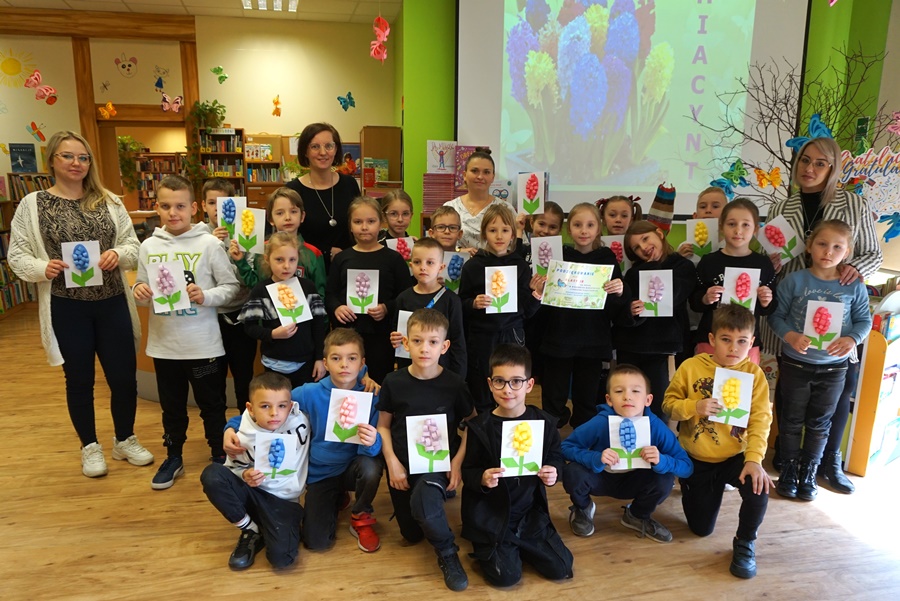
(723, 454)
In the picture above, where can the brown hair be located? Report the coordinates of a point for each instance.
(551, 208)
(428, 243)
(363, 201)
(443, 211)
(276, 241)
(636, 212)
(511, 354)
(218, 184)
(740, 203)
(92, 188)
(428, 320)
(627, 369)
(592, 209)
(311, 131)
(342, 336)
(835, 225)
(176, 183)
(712, 190)
(269, 380)
(481, 152)
(393, 195)
(643, 227)
(283, 192)
(733, 317)
(502, 211)
(832, 152)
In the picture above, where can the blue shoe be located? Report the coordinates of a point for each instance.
(165, 476)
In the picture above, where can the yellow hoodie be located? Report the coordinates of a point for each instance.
(711, 441)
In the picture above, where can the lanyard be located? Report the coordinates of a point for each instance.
(440, 293)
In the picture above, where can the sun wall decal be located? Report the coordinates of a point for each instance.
(15, 67)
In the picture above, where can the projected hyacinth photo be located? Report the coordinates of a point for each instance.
(592, 82)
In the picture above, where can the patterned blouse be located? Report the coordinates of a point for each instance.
(64, 220)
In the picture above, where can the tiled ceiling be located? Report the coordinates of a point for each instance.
(338, 11)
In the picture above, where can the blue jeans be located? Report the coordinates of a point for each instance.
(809, 396)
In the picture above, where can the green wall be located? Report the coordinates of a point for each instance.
(427, 52)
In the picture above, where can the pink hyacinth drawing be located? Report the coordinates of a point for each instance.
(655, 289)
(165, 283)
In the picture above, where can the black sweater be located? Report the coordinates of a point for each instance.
(471, 284)
(711, 272)
(660, 335)
(450, 305)
(586, 332)
(260, 318)
(393, 277)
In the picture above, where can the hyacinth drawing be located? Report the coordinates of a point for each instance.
(531, 201)
(618, 250)
(742, 290)
(276, 458)
(702, 245)
(248, 223)
(165, 283)
(428, 445)
(229, 213)
(628, 439)
(82, 261)
(291, 307)
(403, 249)
(361, 286)
(591, 82)
(776, 238)
(454, 270)
(731, 398)
(655, 289)
(346, 427)
(521, 443)
(544, 256)
(498, 290)
(821, 323)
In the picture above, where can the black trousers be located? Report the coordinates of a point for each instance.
(240, 354)
(701, 497)
(278, 519)
(85, 329)
(420, 511)
(538, 544)
(379, 355)
(479, 346)
(647, 488)
(362, 476)
(584, 375)
(206, 378)
(810, 396)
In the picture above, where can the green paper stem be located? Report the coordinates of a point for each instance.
(82, 278)
(530, 206)
(344, 433)
(498, 302)
(652, 307)
(736, 413)
(362, 303)
(541, 270)
(247, 243)
(623, 454)
(292, 313)
(229, 227)
(431, 456)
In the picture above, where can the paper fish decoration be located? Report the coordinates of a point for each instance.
(894, 127)
(276, 112)
(772, 177)
(346, 102)
(219, 72)
(41, 92)
(35, 131)
(816, 129)
(168, 104)
(107, 111)
(736, 173)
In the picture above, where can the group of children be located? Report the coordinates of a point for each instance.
(472, 366)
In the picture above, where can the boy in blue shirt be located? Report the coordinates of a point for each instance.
(589, 473)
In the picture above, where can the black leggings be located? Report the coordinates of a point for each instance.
(103, 328)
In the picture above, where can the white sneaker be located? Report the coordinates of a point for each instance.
(131, 450)
(93, 465)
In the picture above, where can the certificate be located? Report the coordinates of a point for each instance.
(576, 285)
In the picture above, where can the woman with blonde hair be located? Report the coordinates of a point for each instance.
(80, 322)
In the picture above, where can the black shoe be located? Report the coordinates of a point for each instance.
(832, 472)
(788, 480)
(807, 489)
(165, 476)
(743, 559)
(220, 459)
(777, 463)
(454, 575)
(248, 545)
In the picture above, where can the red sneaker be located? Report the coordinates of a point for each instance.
(366, 537)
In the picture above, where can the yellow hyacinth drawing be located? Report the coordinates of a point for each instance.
(521, 442)
(522, 438)
(286, 296)
(246, 239)
(499, 290)
(731, 398)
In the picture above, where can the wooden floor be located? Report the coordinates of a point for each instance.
(64, 536)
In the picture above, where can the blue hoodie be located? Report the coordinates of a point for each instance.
(586, 444)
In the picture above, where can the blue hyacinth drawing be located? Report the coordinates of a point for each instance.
(229, 212)
(454, 270)
(628, 439)
(82, 261)
(276, 458)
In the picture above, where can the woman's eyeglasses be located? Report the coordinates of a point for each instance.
(84, 159)
(330, 146)
(515, 384)
(818, 165)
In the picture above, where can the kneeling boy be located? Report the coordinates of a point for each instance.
(723, 454)
(588, 448)
(507, 519)
(266, 509)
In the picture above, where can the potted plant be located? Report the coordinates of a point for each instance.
(128, 147)
(202, 115)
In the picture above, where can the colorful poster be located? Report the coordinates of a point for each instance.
(290, 301)
(656, 291)
(169, 287)
(627, 436)
(521, 447)
(272, 451)
(428, 443)
(346, 410)
(83, 260)
(501, 284)
(362, 289)
(734, 389)
(576, 285)
(544, 250)
(441, 156)
(823, 323)
(740, 287)
(778, 236)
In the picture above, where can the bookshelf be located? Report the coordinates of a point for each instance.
(381, 143)
(262, 154)
(222, 154)
(151, 168)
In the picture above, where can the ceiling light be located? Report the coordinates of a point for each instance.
(292, 6)
(248, 4)
(261, 5)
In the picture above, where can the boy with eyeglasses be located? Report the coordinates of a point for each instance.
(446, 228)
(425, 388)
(507, 518)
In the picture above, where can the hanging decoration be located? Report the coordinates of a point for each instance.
(41, 92)
(35, 130)
(107, 111)
(382, 29)
(347, 101)
(773, 177)
(219, 72)
(168, 103)
(276, 112)
(815, 129)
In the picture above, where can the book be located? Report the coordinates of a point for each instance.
(23, 159)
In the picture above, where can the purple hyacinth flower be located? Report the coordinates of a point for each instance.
(588, 95)
(618, 79)
(520, 42)
(574, 44)
(623, 38)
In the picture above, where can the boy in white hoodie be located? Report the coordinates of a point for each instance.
(246, 496)
(186, 345)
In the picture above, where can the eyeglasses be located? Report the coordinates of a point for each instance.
(818, 165)
(329, 147)
(396, 215)
(515, 384)
(443, 228)
(84, 159)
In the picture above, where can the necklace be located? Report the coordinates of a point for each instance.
(331, 221)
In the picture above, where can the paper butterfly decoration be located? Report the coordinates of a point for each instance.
(894, 127)
(41, 92)
(35, 130)
(346, 102)
(220, 73)
(894, 228)
(168, 104)
(816, 129)
(104, 86)
(382, 29)
(736, 173)
(276, 112)
(107, 111)
(772, 177)
(726, 186)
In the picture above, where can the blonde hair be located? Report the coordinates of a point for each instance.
(835, 225)
(832, 152)
(93, 191)
(506, 216)
(278, 240)
(593, 210)
(363, 201)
